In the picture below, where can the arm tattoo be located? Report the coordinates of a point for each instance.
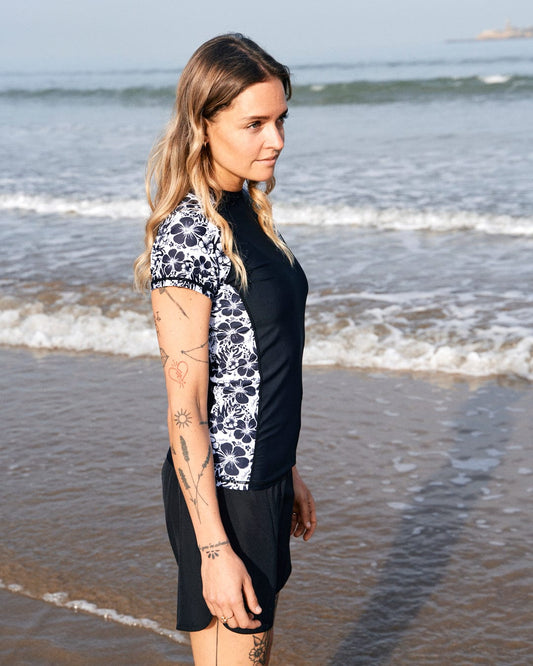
(157, 319)
(164, 356)
(178, 371)
(188, 352)
(163, 290)
(213, 548)
(182, 418)
(260, 652)
(194, 491)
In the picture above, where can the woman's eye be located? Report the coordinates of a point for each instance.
(255, 124)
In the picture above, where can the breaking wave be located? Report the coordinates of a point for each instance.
(351, 92)
(388, 219)
(377, 340)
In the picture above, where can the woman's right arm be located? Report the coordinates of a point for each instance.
(182, 322)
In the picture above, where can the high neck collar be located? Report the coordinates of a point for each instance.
(229, 198)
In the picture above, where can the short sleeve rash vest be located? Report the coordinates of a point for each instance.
(256, 336)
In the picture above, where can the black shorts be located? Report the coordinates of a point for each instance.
(257, 523)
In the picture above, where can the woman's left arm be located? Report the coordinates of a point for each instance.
(304, 520)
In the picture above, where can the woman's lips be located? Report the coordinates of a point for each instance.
(269, 161)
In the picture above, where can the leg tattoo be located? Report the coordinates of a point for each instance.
(260, 652)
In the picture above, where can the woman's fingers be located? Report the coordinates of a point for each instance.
(303, 520)
(238, 617)
(294, 522)
(250, 596)
(242, 620)
(234, 615)
(229, 618)
(298, 526)
(229, 593)
(309, 517)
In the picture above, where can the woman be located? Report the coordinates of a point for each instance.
(228, 300)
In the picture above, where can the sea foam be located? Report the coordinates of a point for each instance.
(78, 328)
(72, 206)
(403, 219)
(62, 600)
(495, 79)
(388, 219)
(495, 351)
(365, 347)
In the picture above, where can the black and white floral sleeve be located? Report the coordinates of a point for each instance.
(187, 251)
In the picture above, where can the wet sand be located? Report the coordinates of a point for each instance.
(424, 488)
(36, 632)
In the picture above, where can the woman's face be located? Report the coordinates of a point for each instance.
(246, 138)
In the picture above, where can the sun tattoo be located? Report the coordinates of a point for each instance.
(182, 418)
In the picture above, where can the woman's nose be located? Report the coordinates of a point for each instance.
(276, 137)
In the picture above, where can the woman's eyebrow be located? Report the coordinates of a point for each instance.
(264, 117)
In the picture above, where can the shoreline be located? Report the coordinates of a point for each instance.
(38, 632)
(422, 488)
(435, 377)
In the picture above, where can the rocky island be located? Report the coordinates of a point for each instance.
(508, 32)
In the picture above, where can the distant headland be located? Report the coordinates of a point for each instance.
(509, 32)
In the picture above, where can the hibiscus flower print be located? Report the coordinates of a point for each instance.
(232, 306)
(232, 331)
(187, 231)
(243, 392)
(245, 430)
(232, 458)
(173, 261)
(202, 269)
(248, 366)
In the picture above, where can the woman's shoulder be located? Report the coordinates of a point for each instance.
(187, 250)
(188, 226)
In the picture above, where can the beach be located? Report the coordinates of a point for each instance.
(36, 632)
(404, 189)
(423, 488)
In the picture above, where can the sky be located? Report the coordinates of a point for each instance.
(97, 34)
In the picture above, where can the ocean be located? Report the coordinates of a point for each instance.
(405, 187)
(405, 190)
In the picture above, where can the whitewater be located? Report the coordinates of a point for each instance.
(404, 190)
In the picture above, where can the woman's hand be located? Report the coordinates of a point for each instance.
(303, 512)
(227, 586)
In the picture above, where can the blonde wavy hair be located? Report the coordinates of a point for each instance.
(179, 163)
